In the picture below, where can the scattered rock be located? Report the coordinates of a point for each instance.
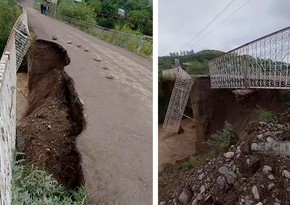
(202, 189)
(163, 203)
(229, 155)
(86, 49)
(260, 203)
(185, 197)
(230, 175)
(110, 77)
(221, 181)
(195, 202)
(255, 192)
(279, 126)
(54, 38)
(97, 58)
(106, 68)
(260, 136)
(270, 186)
(286, 174)
(248, 161)
(267, 169)
(271, 176)
(79, 45)
(270, 139)
(49, 126)
(199, 197)
(69, 42)
(201, 176)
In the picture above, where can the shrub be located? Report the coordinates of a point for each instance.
(8, 17)
(193, 161)
(35, 187)
(267, 116)
(79, 11)
(223, 139)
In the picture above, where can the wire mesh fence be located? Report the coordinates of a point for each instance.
(178, 101)
(140, 44)
(11, 59)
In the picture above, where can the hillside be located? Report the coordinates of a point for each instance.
(197, 62)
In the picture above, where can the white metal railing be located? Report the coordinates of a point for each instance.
(262, 63)
(11, 59)
(178, 101)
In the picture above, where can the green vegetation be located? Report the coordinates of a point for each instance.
(267, 116)
(138, 13)
(35, 187)
(193, 161)
(223, 139)
(79, 11)
(8, 16)
(198, 61)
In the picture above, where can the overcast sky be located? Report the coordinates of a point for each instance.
(180, 21)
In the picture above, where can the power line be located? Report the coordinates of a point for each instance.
(209, 23)
(221, 23)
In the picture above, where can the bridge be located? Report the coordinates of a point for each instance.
(263, 64)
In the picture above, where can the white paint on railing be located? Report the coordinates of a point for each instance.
(14, 52)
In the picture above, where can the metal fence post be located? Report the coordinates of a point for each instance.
(141, 43)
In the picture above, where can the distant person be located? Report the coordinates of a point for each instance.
(44, 9)
(41, 8)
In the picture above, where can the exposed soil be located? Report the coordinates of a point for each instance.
(198, 184)
(21, 95)
(54, 118)
(215, 106)
(174, 147)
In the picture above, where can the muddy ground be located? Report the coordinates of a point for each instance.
(174, 147)
(21, 95)
(53, 119)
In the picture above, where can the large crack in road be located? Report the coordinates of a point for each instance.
(116, 146)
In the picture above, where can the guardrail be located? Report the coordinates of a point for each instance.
(11, 59)
(262, 63)
(140, 44)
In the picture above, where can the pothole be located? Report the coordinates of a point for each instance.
(54, 118)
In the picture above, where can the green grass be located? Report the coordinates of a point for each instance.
(222, 139)
(267, 116)
(35, 187)
(193, 161)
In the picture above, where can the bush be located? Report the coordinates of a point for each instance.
(223, 139)
(267, 116)
(8, 17)
(193, 161)
(35, 187)
(79, 11)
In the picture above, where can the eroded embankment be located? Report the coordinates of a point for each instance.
(236, 174)
(54, 118)
(212, 107)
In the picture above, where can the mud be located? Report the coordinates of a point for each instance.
(54, 118)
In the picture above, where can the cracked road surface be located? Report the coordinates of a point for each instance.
(116, 146)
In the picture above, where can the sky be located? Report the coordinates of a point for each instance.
(181, 21)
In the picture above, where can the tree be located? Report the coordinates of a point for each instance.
(7, 20)
(96, 5)
(108, 13)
